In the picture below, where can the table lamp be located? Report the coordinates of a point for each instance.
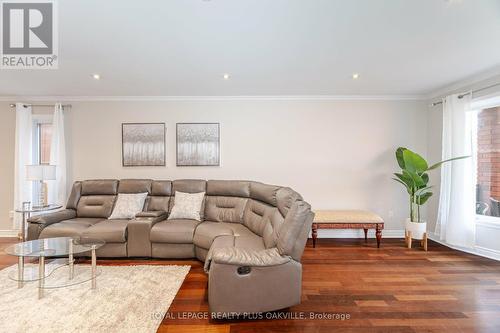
(41, 172)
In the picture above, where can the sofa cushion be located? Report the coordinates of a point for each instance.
(285, 198)
(238, 229)
(110, 231)
(174, 231)
(189, 185)
(224, 209)
(68, 228)
(74, 196)
(100, 187)
(229, 188)
(264, 220)
(158, 203)
(128, 205)
(206, 232)
(187, 206)
(249, 242)
(161, 187)
(263, 192)
(95, 206)
(134, 186)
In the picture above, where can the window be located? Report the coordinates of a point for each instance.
(44, 141)
(488, 162)
(42, 138)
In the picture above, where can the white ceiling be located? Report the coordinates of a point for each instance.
(278, 47)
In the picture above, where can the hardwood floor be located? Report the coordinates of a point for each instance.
(365, 289)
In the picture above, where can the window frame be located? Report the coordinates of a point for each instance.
(477, 106)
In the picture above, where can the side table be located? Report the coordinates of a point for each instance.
(27, 209)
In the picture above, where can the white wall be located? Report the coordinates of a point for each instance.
(337, 154)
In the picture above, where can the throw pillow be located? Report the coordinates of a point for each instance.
(128, 205)
(187, 206)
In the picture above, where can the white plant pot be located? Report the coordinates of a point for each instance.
(417, 229)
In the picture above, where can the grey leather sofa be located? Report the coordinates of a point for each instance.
(251, 237)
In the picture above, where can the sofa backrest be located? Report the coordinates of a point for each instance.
(226, 200)
(97, 198)
(266, 210)
(160, 196)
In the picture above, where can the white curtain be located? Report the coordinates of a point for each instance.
(23, 157)
(456, 215)
(57, 188)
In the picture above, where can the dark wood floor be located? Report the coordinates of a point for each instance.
(391, 289)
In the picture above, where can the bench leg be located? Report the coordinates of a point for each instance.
(378, 234)
(314, 233)
(366, 235)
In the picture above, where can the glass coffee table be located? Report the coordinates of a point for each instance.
(49, 252)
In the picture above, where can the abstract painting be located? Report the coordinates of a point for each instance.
(198, 144)
(143, 144)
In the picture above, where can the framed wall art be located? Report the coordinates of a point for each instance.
(198, 144)
(143, 144)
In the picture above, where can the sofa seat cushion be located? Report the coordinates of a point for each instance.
(206, 232)
(110, 231)
(252, 242)
(174, 231)
(69, 228)
(239, 230)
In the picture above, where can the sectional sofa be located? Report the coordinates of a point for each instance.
(251, 237)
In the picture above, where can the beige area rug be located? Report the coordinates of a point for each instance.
(127, 299)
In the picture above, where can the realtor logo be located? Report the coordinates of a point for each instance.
(29, 34)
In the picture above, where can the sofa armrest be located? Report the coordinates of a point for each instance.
(139, 230)
(50, 218)
(243, 257)
(153, 215)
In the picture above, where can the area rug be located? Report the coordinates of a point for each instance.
(127, 299)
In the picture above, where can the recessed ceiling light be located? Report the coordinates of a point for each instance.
(226, 76)
(96, 76)
(355, 76)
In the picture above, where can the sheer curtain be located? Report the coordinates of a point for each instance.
(23, 157)
(57, 188)
(456, 215)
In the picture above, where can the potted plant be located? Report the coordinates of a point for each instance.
(415, 178)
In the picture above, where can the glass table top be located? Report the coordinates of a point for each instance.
(35, 209)
(59, 246)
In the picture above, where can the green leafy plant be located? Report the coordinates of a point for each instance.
(415, 179)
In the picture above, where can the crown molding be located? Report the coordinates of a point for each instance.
(467, 83)
(13, 99)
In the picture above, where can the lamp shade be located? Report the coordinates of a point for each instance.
(41, 172)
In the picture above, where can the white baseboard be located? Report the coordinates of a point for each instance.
(476, 250)
(352, 233)
(9, 233)
(488, 253)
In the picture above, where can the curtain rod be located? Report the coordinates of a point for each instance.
(41, 105)
(469, 93)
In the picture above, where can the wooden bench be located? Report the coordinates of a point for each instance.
(347, 219)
